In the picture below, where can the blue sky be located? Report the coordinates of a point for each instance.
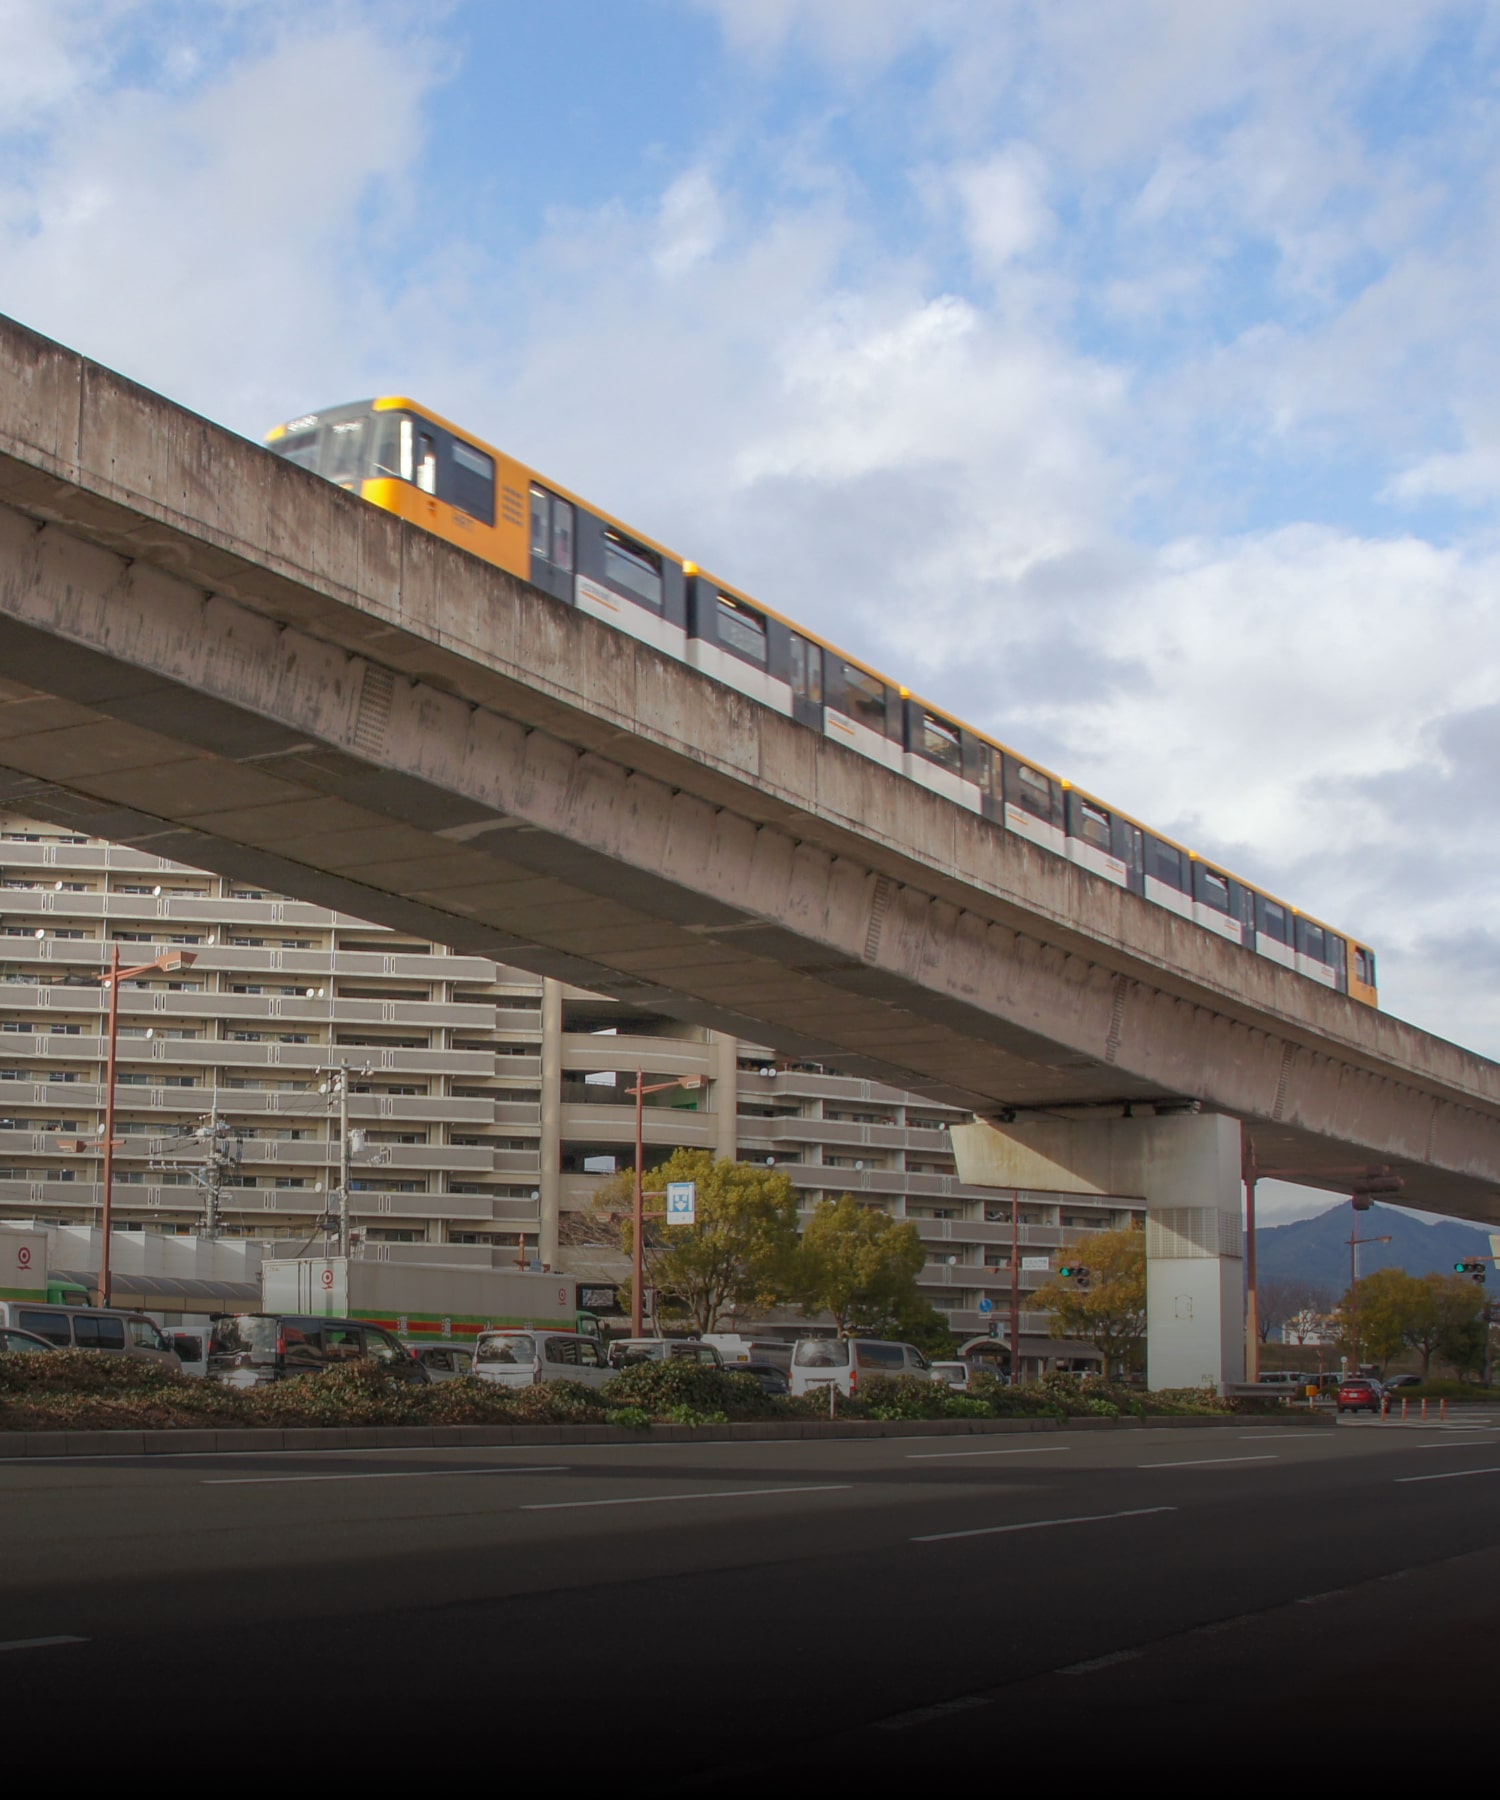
(1119, 373)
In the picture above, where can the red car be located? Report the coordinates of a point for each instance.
(1360, 1393)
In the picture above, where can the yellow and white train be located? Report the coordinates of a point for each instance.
(410, 461)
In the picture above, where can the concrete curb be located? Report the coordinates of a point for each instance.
(207, 1442)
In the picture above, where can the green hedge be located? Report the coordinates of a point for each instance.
(92, 1390)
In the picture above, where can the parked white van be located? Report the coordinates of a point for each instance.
(624, 1352)
(90, 1328)
(523, 1358)
(734, 1348)
(844, 1362)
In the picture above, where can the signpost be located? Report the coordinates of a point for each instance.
(1036, 1262)
(682, 1203)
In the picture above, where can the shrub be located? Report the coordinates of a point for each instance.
(905, 1397)
(85, 1372)
(659, 1386)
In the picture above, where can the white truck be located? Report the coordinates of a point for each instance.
(426, 1303)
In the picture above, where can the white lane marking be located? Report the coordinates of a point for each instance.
(42, 1643)
(1203, 1462)
(1444, 1444)
(1447, 1475)
(1135, 1512)
(1318, 1599)
(1100, 1662)
(827, 1487)
(384, 1475)
(921, 1715)
(954, 1455)
(1318, 1435)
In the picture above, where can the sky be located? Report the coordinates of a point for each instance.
(1118, 374)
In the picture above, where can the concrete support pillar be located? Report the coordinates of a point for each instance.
(726, 1096)
(550, 1203)
(1186, 1167)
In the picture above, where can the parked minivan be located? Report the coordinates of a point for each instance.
(90, 1328)
(523, 1358)
(843, 1362)
(737, 1349)
(249, 1348)
(625, 1351)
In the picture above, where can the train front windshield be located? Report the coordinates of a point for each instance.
(346, 447)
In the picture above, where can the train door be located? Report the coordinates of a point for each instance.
(805, 665)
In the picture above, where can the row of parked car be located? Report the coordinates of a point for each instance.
(246, 1349)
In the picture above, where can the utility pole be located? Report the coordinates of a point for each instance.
(1015, 1287)
(343, 1094)
(214, 1134)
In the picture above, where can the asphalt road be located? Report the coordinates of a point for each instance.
(718, 1618)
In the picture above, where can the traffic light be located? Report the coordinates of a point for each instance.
(1474, 1270)
(1075, 1272)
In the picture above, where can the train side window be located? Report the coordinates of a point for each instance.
(1364, 966)
(1093, 824)
(865, 698)
(1166, 863)
(427, 462)
(989, 765)
(1034, 791)
(346, 451)
(807, 669)
(1215, 890)
(940, 743)
(633, 567)
(1272, 920)
(562, 534)
(1310, 940)
(541, 524)
(742, 628)
(473, 482)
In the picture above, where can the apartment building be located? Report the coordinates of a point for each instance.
(485, 1104)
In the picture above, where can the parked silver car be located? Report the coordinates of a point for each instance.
(523, 1358)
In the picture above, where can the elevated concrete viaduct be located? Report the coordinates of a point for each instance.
(208, 653)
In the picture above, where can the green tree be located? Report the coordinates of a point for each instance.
(1110, 1313)
(1462, 1323)
(858, 1264)
(1385, 1312)
(740, 1254)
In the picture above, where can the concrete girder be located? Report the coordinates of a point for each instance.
(212, 655)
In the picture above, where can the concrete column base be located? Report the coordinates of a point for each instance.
(1186, 1167)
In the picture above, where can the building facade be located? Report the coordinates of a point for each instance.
(485, 1104)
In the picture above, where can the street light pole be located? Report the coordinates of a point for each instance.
(638, 1205)
(1015, 1287)
(106, 1214)
(638, 1213)
(1252, 1293)
(167, 963)
(1354, 1243)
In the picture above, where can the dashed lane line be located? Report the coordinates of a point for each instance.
(41, 1643)
(1135, 1512)
(385, 1475)
(1204, 1462)
(956, 1455)
(827, 1487)
(1446, 1475)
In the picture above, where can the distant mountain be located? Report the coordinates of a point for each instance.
(1317, 1250)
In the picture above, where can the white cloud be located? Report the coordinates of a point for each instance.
(203, 236)
(690, 223)
(1005, 215)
